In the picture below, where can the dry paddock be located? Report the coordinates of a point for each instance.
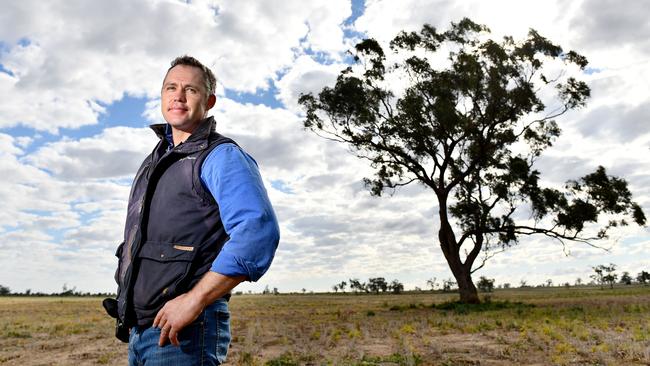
(541, 326)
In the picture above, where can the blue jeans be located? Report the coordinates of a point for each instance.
(203, 342)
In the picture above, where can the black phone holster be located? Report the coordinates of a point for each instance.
(121, 330)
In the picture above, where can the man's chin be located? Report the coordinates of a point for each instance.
(182, 124)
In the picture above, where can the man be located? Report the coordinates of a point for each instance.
(198, 223)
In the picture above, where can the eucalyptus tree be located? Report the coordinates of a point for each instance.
(471, 131)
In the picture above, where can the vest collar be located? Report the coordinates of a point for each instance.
(200, 134)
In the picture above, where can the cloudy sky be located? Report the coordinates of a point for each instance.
(80, 83)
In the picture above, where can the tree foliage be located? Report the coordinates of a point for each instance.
(340, 286)
(396, 286)
(448, 285)
(470, 131)
(485, 284)
(626, 279)
(357, 286)
(377, 284)
(432, 283)
(604, 275)
(374, 285)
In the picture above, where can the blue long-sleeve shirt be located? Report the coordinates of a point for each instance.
(232, 176)
(233, 179)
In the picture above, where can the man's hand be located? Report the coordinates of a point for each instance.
(184, 309)
(176, 315)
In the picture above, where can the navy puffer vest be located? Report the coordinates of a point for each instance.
(173, 229)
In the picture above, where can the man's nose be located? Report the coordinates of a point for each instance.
(179, 95)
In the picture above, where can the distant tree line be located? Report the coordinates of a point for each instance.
(374, 285)
(603, 275)
(66, 291)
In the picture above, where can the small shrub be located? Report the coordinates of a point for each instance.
(395, 358)
(16, 334)
(315, 335)
(284, 360)
(354, 333)
(336, 336)
(246, 358)
(408, 329)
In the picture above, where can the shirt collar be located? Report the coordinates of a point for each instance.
(168, 135)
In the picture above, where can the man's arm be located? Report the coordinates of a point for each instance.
(234, 180)
(184, 309)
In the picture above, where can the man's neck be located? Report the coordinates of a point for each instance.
(180, 136)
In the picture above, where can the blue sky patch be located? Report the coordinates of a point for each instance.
(358, 7)
(125, 112)
(264, 97)
(281, 186)
(592, 70)
(6, 71)
(38, 212)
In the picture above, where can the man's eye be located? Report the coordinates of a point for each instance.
(170, 88)
(191, 90)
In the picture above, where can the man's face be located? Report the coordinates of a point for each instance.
(184, 100)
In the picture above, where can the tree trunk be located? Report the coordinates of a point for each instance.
(461, 271)
(466, 288)
(462, 274)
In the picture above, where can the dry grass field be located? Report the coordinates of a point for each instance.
(542, 326)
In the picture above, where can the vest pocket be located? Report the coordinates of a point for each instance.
(162, 270)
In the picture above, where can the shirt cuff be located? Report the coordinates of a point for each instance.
(231, 265)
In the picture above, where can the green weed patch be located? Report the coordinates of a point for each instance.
(464, 308)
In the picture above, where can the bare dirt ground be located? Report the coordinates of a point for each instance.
(554, 326)
(57, 331)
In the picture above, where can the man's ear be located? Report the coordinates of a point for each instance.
(212, 99)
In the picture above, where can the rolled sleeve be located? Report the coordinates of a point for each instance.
(234, 180)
